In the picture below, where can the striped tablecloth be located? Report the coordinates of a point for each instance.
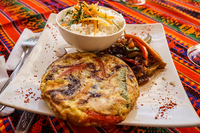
(181, 20)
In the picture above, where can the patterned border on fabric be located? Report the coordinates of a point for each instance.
(59, 126)
(26, 20)
(177, 23)
(5, 126)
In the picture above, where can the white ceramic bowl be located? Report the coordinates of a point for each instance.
(85, 42)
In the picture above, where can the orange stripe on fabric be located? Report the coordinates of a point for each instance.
(192, 83)
(187, 64)
(2, 129)
(4, 20)
(188, 130)
(41, 7)
(69, 1)
(131, 12)
(11, 32)
(141, 17)
(186, 5)
(180, 36)
(35, 6)
(81, 129)
(175, 13)
(9, 29)
(186, 71)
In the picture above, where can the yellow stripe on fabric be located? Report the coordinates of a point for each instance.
(2, 128)
(9, 33)
(192, 67)
(186, 79)
(6, 39)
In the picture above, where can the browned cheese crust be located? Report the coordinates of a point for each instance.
(90, 89)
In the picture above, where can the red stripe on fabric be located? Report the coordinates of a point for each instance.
(11, 32)
(69, 1)
(35, 6)
(46, 15)
(5, 123)
(194, 85)
(191, 2)
(180, 36)
(184, 77)
(9, 29)
(4, 20)
(186, 71)
(63, 126)
(131, 12)
(186, 5)
(81, 129)
(11, 124)
(167, 30)
(178, 14)
(39, 8)
(188, 130)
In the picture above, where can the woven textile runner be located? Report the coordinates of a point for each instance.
(182, 31)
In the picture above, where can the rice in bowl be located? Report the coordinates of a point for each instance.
(81, 19)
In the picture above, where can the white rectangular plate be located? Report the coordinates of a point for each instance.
(162, 102)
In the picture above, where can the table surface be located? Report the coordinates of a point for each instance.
(181, 21)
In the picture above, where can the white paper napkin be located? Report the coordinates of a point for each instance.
(3, 78)
(16, 53)
(12, 62)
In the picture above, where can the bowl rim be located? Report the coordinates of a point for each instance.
(122, 29)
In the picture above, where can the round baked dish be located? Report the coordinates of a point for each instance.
(90, 89)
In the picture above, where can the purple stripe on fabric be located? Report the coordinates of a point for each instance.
(168, 15)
